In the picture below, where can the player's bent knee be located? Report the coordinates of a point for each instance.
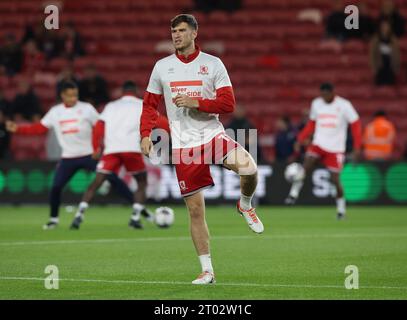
(249, 170)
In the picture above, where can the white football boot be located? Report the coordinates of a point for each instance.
(205, 277)
(251, 218)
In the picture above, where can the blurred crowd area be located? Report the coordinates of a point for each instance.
(277, 53)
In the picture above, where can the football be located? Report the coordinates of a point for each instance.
(294, 171)
(164, 217)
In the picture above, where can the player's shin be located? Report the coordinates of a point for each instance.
(81, 209)
(55, 200)
(206, 263)
(135, 220)
(341, 205)
(340, 199)
(79, 215)
(137, 208)
(247, 170)
(248, 184)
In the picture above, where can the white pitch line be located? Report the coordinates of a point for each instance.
(227, 284)
(258, 237)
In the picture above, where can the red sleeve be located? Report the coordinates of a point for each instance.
(306, 131)
(32, 128)
(356, 128)
(162, 123)
(98, 134)
(149, 115)
(223, 103)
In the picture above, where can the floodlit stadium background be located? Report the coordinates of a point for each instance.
(276, 52)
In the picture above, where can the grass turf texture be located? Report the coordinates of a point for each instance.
(301, 255)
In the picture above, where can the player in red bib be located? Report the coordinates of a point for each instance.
(330, 116)
(196, 89)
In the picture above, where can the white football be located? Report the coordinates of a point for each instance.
(164, 217)
(294, 171)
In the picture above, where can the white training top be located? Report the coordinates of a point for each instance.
(122, 125)
(198, 79)
(73, 127)
(331, 123)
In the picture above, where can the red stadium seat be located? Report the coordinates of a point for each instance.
(275, 62)
(28, 147)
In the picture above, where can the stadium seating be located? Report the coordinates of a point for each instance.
(276, 62)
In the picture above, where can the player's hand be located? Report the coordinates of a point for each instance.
(182, 100)
(11, 126)
(146, 145)
(97, 154)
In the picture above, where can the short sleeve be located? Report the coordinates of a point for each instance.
(154, 85)
(313, 112)
(221, 76)
(93, 115)
(48, 119)
(350, 113)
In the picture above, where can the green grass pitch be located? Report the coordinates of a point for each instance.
(301, 255)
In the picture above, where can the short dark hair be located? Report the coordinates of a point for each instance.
(68, 85)
(189, 19)
(380, 113)
(129, 85)
(326, 86)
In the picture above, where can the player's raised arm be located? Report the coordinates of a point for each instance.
(36, 128)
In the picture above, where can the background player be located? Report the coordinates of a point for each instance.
(119, 129)
(329, 119)
(72, 121)
(196, 88)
